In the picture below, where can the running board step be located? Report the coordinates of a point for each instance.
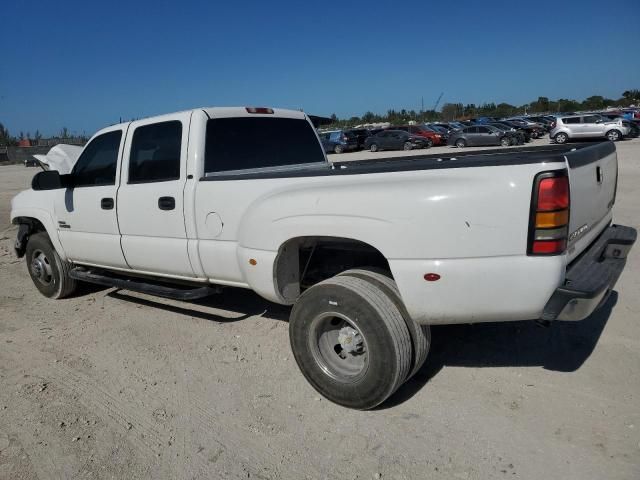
(139, 285)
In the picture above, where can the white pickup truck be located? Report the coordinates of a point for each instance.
(369, 253)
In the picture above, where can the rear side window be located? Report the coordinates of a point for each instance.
(98, 162)
(155, 153)
(243, 143)
(571, 120)
(590, 119)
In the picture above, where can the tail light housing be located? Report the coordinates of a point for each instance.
(553, 124)
(549, 217)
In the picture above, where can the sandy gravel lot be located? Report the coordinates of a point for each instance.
(110, 384)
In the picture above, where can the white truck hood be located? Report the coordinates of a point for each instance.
(61, 157)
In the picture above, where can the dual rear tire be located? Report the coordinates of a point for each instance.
(353, 339)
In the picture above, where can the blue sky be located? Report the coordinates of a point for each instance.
(85, 64)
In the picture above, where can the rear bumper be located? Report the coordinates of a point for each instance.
(591, 277)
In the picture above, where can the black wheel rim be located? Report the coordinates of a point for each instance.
(338, 347)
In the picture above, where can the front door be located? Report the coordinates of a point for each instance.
(150, 197)
(86, 214)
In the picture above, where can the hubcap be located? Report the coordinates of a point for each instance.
(41, 268)
(613, 136)
(338, 347)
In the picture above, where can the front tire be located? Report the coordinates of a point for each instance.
(48, 271)
(461, 143)
(561, 138)
(408, 146)
(614, 135)
(505, 142)
(338, 149)
(350, 341)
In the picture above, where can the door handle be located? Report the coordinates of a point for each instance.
(106, 203)
(166, 203)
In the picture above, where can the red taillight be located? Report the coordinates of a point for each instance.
(553, 124)
(549, 216)
(258, 110)
(553, 194)
(546, 247)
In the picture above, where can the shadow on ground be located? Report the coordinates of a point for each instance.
(561, 347)
(245, 303)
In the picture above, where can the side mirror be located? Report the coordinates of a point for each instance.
(50, 180)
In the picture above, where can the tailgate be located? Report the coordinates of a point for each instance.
(593, 174)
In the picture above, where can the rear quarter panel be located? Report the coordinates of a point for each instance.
(468, 224)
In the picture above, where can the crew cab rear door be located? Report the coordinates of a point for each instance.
(150, 197)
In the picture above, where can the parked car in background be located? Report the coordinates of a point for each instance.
(515, 137)
(395, 140)
(542, 120)
(480, 135)
(587, 126)
(361, 134)
(522, 134)
(421, 131)
(535, 129)
(443, 132)
(634, 126)
(448, 127)
(529, 132)
(457, 125)
(339, 141)
(484, 120)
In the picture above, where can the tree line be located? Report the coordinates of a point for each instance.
(459, 111)
(449, 111)
(9, 140)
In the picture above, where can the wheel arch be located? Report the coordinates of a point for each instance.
(32, 221)
(305, 260)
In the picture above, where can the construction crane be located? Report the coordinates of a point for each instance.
(438, 102)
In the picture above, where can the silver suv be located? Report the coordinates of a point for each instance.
(587, 126)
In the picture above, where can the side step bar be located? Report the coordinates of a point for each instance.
(139, 285)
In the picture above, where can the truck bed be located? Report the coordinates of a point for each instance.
(576, 154)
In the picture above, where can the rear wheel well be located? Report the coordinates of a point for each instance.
(304, 261)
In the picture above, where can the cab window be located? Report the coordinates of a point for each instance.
(155, 153)
(98, 162)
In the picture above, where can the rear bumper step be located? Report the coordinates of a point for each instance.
(140, 285)
(591, 278)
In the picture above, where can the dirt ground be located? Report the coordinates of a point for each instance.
(110, 384)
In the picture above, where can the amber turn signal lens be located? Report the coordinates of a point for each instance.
(552, 219)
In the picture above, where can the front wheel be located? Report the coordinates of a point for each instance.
(505, 142)
(561, 138)
(408, 145)
(338, 149)
(350, 341)
(373, 147)
(461, 143)
(429, 143)
(614, 135)
(49, 272)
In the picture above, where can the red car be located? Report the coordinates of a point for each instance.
(435, 138)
